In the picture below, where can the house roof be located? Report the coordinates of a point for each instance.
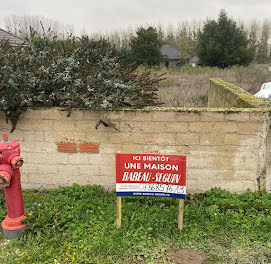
(171, 52)
(12, 39)
(194, 59)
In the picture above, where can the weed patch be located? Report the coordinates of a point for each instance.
(188, 86)
(77, 224)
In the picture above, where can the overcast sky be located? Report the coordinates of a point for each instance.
(106, 15)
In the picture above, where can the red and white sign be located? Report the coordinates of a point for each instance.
(151, 175)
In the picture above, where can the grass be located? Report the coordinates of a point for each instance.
(188, 86)
(77, 225)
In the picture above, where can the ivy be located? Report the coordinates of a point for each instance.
(72, 73)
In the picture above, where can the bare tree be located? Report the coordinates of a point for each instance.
(28, 26)
(253, 33)
(263, 49)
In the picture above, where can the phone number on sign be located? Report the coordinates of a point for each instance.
(150, 187)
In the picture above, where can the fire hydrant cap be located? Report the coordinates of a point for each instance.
(5, 137)
(5, 178)
(16, 162)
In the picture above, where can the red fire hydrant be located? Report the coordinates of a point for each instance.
(10, 162)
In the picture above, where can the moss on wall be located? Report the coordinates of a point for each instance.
(265, 108)
(223, 94)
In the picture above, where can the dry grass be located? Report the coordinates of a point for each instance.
(188, 87)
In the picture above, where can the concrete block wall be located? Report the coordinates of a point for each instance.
(223, 149)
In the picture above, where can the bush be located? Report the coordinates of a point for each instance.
(73, 73)
(146, 47)
(222, 43)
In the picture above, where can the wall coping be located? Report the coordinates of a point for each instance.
(166, 109)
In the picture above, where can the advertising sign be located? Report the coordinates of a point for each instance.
(151, 175)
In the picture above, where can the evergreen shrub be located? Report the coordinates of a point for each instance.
(72, 73)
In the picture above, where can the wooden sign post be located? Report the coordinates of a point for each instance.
(180, 217)
(118, 212)
(151, 175)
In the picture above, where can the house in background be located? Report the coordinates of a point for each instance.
(12, 39)
(172, 56)
(194, 61)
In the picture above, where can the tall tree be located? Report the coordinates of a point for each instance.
(146, 46)
(186, 44)
(222, 43)
(262, 53)
(253, 31)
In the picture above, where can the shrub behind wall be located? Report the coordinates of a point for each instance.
(74, 73)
